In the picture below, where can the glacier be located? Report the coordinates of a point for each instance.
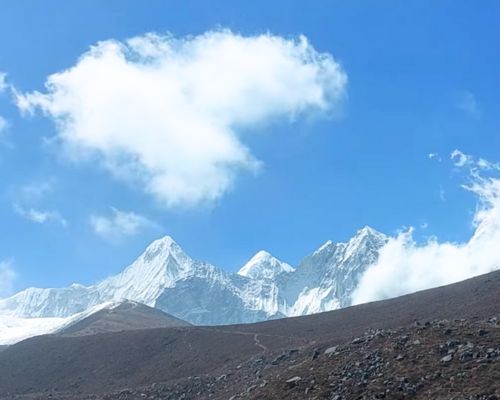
(165, 277)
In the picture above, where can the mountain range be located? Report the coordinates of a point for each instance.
(166, 278)
(441, 343)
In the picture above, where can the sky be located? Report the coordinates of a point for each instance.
(236, 127)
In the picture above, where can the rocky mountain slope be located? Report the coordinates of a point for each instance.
(441, 343)
(439, 359)
(104, 317)
(165, 277)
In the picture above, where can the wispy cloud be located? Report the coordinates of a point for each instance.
(3, 126)
(466, 101)
(405, 266)
(460, 159)
(119, 224)
(4, 123)
(5, 140)
(40, 216)
(434, 156)
(3, 81)
(442, 193)
(28, 202)
(7, 277)
(168, 114)
(35, 191)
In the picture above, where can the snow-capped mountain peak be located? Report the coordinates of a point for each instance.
(162, 247)
(328, 276)
(366, 239)
(325, 247)
(165, 277)
(368, 231)
(264, 266)
(160, 266)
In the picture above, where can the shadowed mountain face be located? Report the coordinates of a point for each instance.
(79, 365)
(127, 315)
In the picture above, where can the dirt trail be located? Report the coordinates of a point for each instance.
(259, 344)
(256, 336)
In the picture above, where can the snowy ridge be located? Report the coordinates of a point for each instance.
(264, 266)
(159, 267)
(165, 277)
(334, 271)
(14, 329)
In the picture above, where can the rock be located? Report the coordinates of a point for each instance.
(253, 387)
(330, 350)
(447, 358)
(293, 381)
(466, 355)
(280, 358)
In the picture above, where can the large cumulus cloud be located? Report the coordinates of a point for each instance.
(168, 114)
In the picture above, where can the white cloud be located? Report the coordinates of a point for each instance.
(405, 266)
(39, 216)
(119, 224)
(169, 114)
(460, 159)
(486, 165)
(434, 156)
(7, 277)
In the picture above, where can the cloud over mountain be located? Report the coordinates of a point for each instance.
(119, 224)
(168, 114)
(405, 266)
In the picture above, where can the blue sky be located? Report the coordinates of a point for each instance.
(422, 78)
